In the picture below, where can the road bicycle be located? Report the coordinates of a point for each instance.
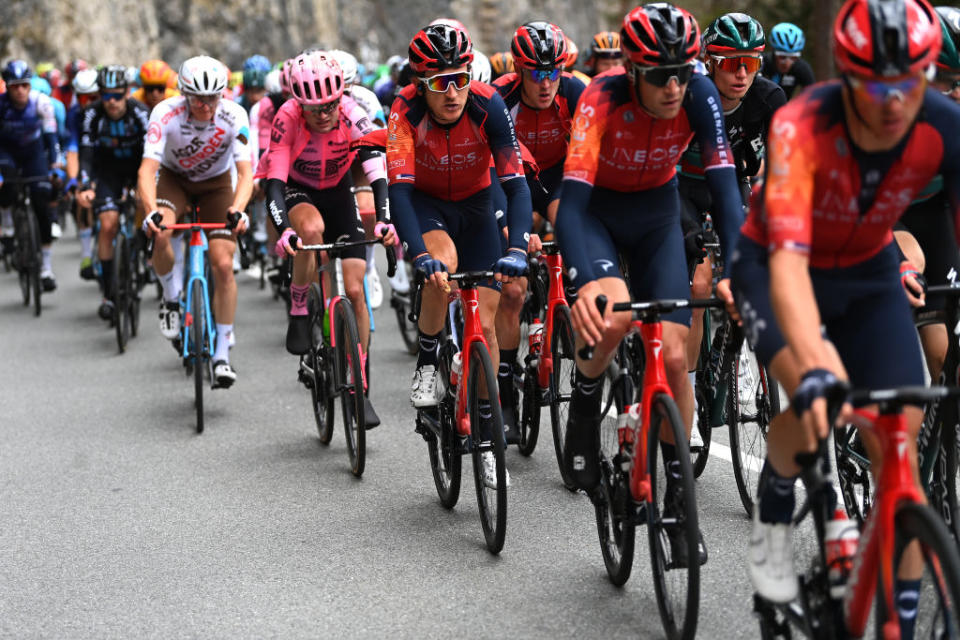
(27, 256)
(452, 428)
(633, 488)
(335, 365)
(129, 276)
(899, 519)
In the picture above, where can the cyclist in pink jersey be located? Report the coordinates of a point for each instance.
(306, 170)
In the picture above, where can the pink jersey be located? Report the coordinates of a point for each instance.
(316, 160)
(264, 121)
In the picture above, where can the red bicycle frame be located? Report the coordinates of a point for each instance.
(555, 297)
(472, 332)
(875, 553)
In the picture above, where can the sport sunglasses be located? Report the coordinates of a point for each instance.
(880, 91)
(154, 88)
(951, 80)
(539, 75)
(732, 64)
(116, 96)
(322, 109)
(442, 81)
(661, 76)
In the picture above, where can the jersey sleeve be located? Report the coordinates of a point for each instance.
(255, 133)
(241, 143)
(789, 184)
(503, 140)
(706, 120)
(276, 160)
(586, 135)
(154, 141)
(47, 113)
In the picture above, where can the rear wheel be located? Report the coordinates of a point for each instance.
(35, 262)
(949, 472)
(672, 525)
(704, 396)
(529, 412)
(753, 400)
(24, 253)
(401, 307)
(938, 610)
(137, 278)
(445, 453)
(320, 387)
(561, 382)
(350, 382)
(198, 350)
(487, 443)
(121, 292)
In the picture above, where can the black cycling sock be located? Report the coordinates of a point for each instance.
(508, 357)
(587, 395)
(907, 599)
(107, 278)
(670, 463)
(428, 349)
(505, 376)
(486, 418)
(776, 496)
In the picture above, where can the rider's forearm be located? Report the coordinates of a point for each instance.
(728, 209)
(244, 186)
(405, 218)
(73, 164)
(147, 184)
(519, 212)
(276, 207)
(795, 308)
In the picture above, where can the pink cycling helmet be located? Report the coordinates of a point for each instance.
(285, 75)
(315, 78)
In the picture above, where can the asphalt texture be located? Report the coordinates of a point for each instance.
(117, 520)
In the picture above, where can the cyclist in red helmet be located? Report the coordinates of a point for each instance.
(620, 200)
(843, 162)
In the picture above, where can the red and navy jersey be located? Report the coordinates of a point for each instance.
(617, 145)
(451, 162)
(824, 197)
(544, 132)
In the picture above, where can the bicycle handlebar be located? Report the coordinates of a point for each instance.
(338, 247)
(233, 219)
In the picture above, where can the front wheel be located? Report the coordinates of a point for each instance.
(198, 350)
(672, 525)
(445, 452)
(529, 412)
(614, 508)
(488, 448)
(121, 293)
(938, 608)
(321, 395)
(562, 346)
(349, 381)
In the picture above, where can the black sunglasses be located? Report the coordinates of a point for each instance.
(661, 76)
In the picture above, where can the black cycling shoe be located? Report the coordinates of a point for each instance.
(298, 335)
(49, 283)
(581, 451)
(678, 542)
(370, 417)
(105, 311)
(511, 430)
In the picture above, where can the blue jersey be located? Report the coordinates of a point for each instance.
(23, 128)
(74, 124)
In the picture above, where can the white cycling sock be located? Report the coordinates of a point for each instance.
(178, 251)
(371, 262)
(86, 243)
(171, 285)
(45, 263)
(222, 351)
(693, 384)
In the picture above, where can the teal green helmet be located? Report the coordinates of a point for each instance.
(949, 59)
(733, 32)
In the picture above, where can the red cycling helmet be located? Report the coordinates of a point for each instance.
(660, 35)
(539, 45)
(439, 47)
(884, 38)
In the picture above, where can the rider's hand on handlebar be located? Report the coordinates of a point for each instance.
(587, 321)
(724, 293)
(914, 284)
(242, 223)
(810, 401)
(151, 223)
(288, 243)
(512, 265)
(85, 197)
(535, 244)
(387, 232)
(434, 270)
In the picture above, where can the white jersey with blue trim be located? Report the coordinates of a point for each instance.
(198, 150)
(368, 101)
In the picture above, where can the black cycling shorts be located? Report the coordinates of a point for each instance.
(337, 207)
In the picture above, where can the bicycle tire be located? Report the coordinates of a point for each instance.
(612, 503)
(23, 252)
(704, 399)
(493, 517)
(677, 587)
(320, 389)
(562, 345)
(920, 522)
(137, 279)
(121, 293)
(529, 412)
(34, 261)
(349, 380)
(748, 445)
(445, 454)
(198, 312)
(949, 471)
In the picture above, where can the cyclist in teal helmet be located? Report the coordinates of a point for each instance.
(785, 67)
(255, 69)
(948, 64)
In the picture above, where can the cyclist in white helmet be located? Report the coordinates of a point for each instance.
(193, 143)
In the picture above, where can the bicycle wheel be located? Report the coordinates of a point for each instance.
(938, 610)
(35, 263)
(948, 471)
(753, 399)
(529, 412)
(121, 293)
(445, 453)
(561, 383)
(320, 388)
(853, 472)
(198, 351)
(401, 308)
(704, 392)
(672, 526)
(613, 507)
(24, 254)
(136, 282)
(492, 501)
(349, 380)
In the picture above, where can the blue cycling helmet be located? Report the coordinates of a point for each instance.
(256, 63)
(39, 84)
(787, 37)
(17, 72)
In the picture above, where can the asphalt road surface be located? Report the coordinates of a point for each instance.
(118, 520)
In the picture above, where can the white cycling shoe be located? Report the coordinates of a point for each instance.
(771, 560)
(489, 462)
(170, 320)
(424, 389)
(376, 289)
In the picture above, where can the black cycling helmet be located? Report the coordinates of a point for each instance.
(111, 77)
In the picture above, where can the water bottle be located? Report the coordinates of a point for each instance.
(456, 369)
(841, 539)
(536, 336)
(626, 433)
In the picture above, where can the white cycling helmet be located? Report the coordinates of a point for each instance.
(480, 67)
(133, 76)
(272, 82)
(348, 64)
(202, 76)
(85, 81)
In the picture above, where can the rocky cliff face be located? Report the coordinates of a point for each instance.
(131, 31)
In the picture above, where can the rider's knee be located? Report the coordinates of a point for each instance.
(675, 358)
(511, 297)
(311, 231)
(354, 289)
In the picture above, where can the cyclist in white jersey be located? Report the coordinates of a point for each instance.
(193, 143)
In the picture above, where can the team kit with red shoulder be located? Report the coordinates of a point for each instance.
(678, 164)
